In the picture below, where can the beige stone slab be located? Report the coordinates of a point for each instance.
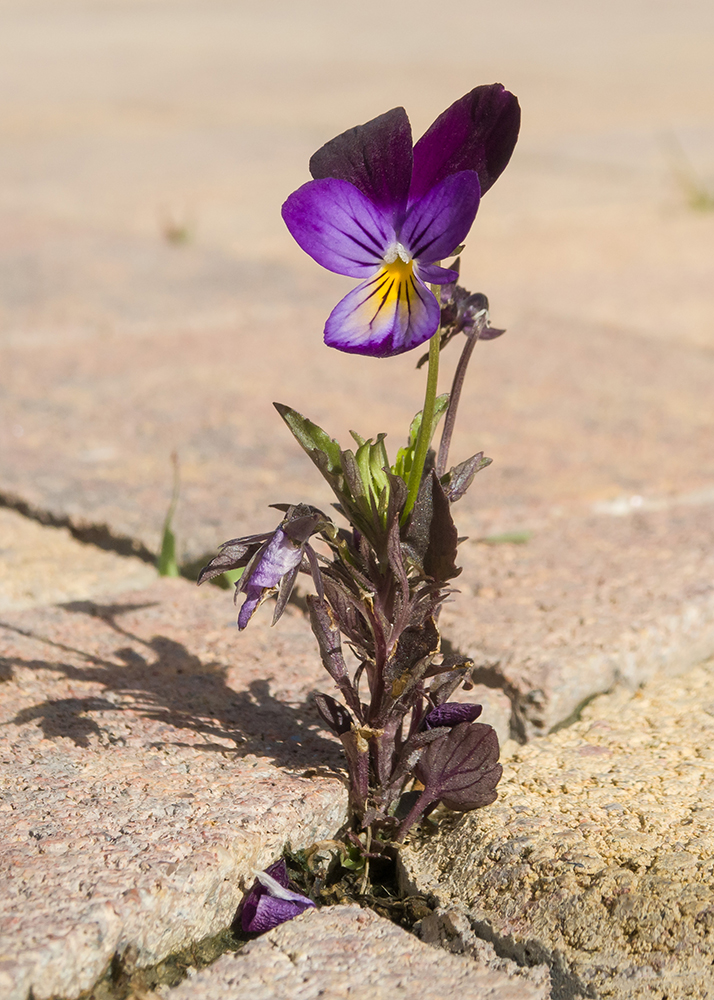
(43, 565)
(151, 760)
(570, 415)
(584, 604)
(597, 856)
(348, 952)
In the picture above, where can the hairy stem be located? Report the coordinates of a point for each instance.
(427, 416)
(455, 395)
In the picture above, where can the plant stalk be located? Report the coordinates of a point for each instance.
(455, 395)
(427, 416)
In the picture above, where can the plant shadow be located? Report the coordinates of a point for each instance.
(160, 679)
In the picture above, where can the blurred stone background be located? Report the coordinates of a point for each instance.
(151, 299)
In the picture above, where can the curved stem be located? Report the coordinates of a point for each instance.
(427, 416)
(455, 395)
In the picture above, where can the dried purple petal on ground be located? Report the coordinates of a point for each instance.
(270, 902)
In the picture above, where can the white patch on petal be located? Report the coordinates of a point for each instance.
(395, 250)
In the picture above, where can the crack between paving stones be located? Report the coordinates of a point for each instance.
(100, 536)
(122, 978)
(526, 954)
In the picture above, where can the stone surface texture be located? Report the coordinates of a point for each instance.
(598, 857)
(41, 565)
(584, 604)
(348, 952)
(152, 759)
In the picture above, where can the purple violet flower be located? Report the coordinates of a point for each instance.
(271, 561)
(270, 902)
(384, 211)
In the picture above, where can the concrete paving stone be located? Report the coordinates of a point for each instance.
(343, 951)
(585, 603)
(571, 416)
(42, 565)
(152, 759)
(598, 856)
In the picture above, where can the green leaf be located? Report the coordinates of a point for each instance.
(167, 564)
(405, 456)
(312, 438)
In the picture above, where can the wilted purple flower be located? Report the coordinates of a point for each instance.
(270, 902)
(452, 714)
(384, 211)
(271, 561)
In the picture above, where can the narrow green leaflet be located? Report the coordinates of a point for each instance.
(405, 456)
(312, 438)
(167, 564)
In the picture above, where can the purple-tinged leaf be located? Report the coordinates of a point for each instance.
(327, 632)
(416, 647)
(335, 716)
(285, 589)
(490, 333)
(376, 157)
(452, 714)
(432, 536)
(478, 132)
(462, 769)
(357, 753)
(454, 663)
(457, 480)
(410, 753)
(444, 685)
(235, 554)
(311, 437)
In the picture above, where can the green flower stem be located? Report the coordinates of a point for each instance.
(427, 416)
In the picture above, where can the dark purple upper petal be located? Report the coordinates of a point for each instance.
(478, 132)
(452, 714)
(439, 221)
(375, 157)
(339, 226)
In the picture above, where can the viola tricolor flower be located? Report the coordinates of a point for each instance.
(270, 902)
(384, 211)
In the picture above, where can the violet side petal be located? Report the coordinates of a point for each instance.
(338, 226)
(478, 132)
(388, 314)
(452, 714)
(375, 157)
(436, 275)
(437, 223)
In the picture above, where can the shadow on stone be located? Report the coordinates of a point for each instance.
(167, 683)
